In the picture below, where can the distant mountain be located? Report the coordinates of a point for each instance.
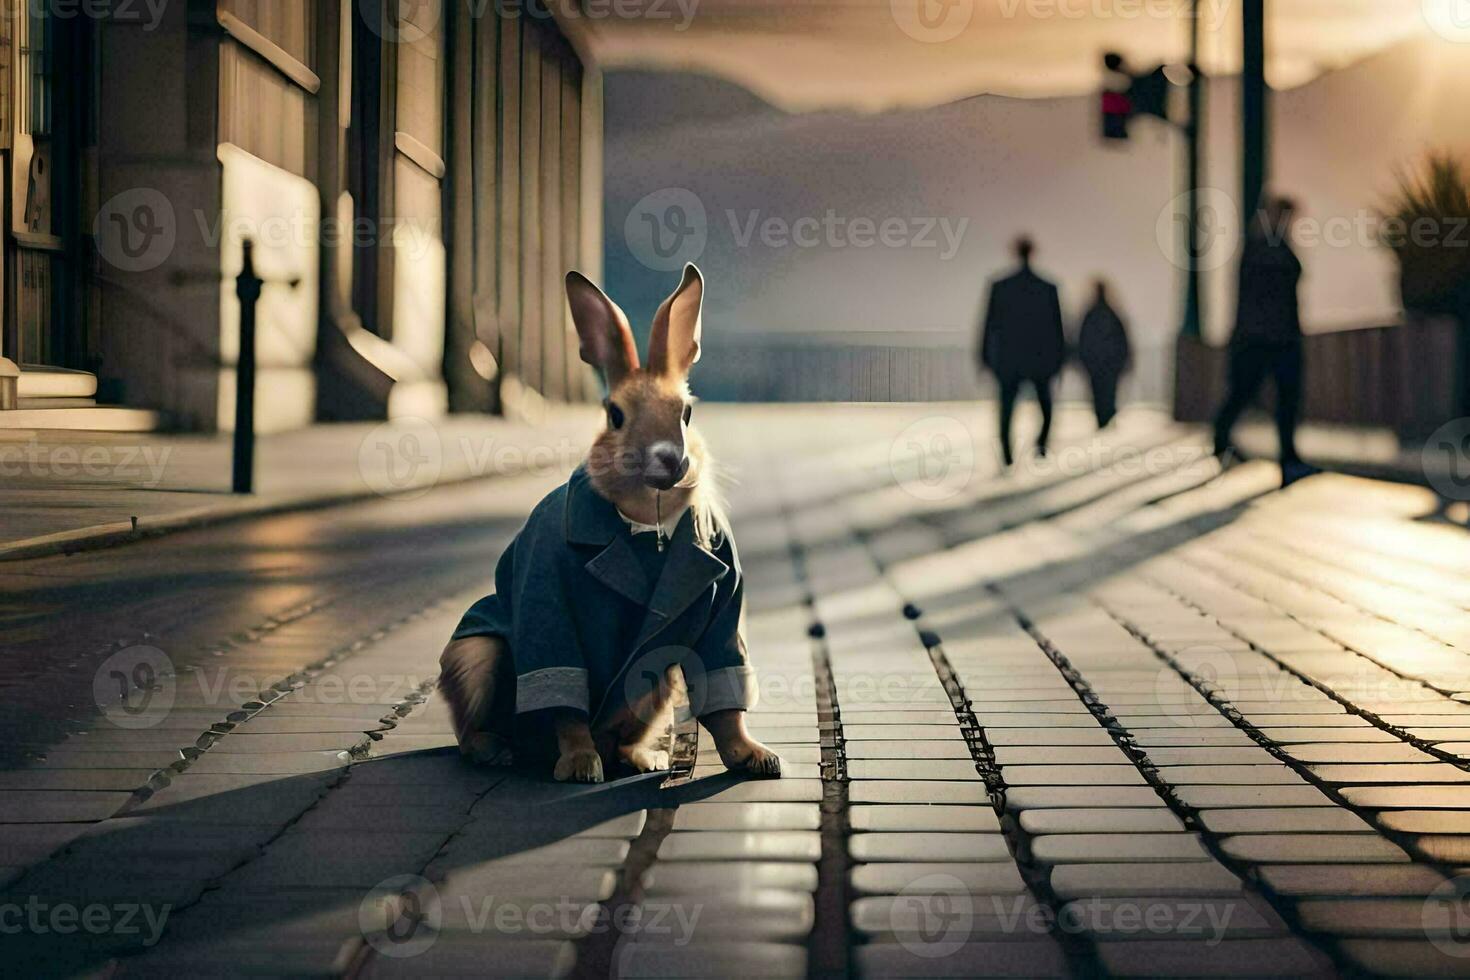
(855, 228)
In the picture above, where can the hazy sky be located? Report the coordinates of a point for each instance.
(875, 54)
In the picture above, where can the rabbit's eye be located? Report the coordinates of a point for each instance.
(615, 416)
(688, 413)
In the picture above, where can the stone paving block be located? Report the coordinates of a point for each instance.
(1160, 918)
(887, 733)
(1028, 959)
(1221, 755)
(747, 816)
(1285, 820)
(711, 766)
(910, 878)
(636, 958)
(1094, 736)
(1307, 735)
(923, 847)
(26, 844)
(1275, 774)
(1115, 848)
(1109, 775)
(59, 806)
(914, 791)
(706, 877)
(1312, 849)
(1251, 797)
(955, 748)
(910, 769)
(86, 780)
(751, 791)
(271, 764)
(1408, 797)
(1404, 918)
(1338, 752)
(1444, 848)
(1426, 821)
(1060, 755)
(456, 955)
(1101, 820)
(925, 717)
(1418, 773)
(1071, 797)
(1154, 878)
(1349, 880)
(1274, 957)
(908, 918)
(1151, 738)
(1403, 958)
(721, 845)
(754, 915)
(923, 817)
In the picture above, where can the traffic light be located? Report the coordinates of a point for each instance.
(1146, 95)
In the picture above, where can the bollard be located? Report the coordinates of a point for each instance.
(247, 288)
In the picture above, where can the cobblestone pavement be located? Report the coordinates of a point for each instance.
(1109, 713)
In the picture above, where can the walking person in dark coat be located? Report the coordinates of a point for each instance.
(1022, 339)
(1268, 334)
(1103, 348)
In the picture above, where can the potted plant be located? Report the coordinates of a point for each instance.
(1427, 225)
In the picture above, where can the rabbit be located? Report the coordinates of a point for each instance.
(623, 587)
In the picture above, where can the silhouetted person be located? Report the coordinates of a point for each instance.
(1268, 333)
(1103, 349)
(1022, 339)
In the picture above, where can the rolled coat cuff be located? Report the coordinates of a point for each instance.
(723, 689)
(553, 687)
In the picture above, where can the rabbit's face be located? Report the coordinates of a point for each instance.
(648, 446)
(647, 434)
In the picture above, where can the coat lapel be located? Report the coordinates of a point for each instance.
(593, 521)
(688, 571)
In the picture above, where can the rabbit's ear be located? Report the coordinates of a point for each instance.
(607, 341)
(673, 344)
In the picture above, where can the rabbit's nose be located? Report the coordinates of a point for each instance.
(665, 465)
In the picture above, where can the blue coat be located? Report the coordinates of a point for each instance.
(592, 616)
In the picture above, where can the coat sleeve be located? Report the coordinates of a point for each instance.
(551, 671)
(721, 677)
(987, 329)
(1057, 328)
